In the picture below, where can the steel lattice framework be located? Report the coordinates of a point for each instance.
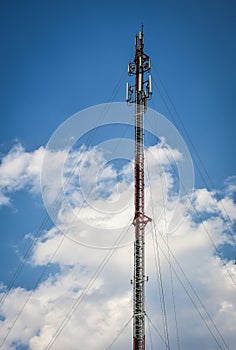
(139, 94)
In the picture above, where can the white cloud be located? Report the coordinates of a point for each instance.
(20, 169)
(204, 201)
(107, 305)
(210, 202)
(227, 208)
(230, 185)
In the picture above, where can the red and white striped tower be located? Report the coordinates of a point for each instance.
(139, 94)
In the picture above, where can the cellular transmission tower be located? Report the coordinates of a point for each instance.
(139, 94)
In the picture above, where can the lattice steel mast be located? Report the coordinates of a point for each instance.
(139, 94)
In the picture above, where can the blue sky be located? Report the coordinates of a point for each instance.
(59, 57)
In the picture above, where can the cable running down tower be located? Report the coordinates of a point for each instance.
(139, 94)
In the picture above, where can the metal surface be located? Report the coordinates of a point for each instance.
(143, 90)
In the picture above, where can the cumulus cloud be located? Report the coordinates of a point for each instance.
(20, 169)
(230, 185)
(89, 299)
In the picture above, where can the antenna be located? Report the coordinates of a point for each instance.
(143, 91)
